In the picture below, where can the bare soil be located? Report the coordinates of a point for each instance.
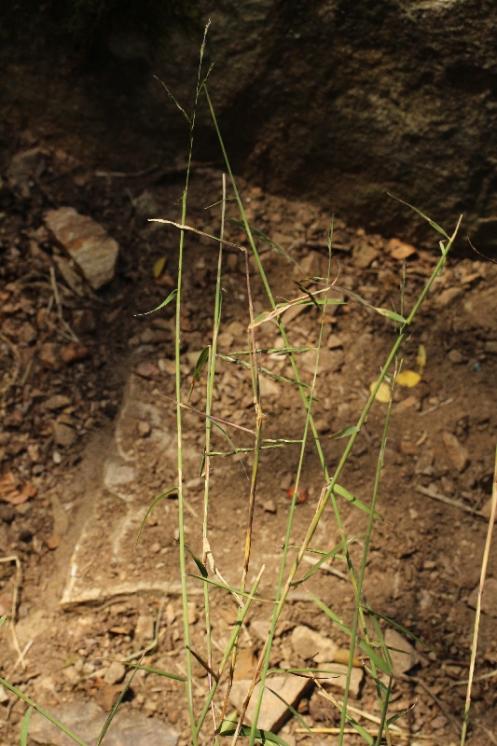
(88, 594)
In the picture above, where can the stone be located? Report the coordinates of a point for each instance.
(330, 361)
(147, 369)
(447, 296)
(144, 429)
(225, 340)
(334, 675)
(49, 356)
(237, 329)
(25, 167)
(491, 346)
(260, 628)
(246, 663)
(134, 729)
(400, 250)
(86, 242)
(192, 613)
(269, 506)
(311, 645)
(83, 718)
(73, 352)
(63, 434)
(147, 206)
(115, 673)
(117, 473)
(83, 321)
(456, 452)
(86, 719)
(26, 333)
(312, 265)
(145, 627)
(402, 653)
(275, 707)
(455, 357)
(57, 401)
(364, 256)
(269, 387)
(489, 598)
(334, 341)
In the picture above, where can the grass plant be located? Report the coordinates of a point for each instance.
(208, 721)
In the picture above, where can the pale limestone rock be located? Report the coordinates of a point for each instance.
(401, 651)
(275, 706)
(93, 250)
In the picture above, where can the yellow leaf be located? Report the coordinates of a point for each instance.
(383, 395)
(159, 266)
(421, 358)
(408, 378)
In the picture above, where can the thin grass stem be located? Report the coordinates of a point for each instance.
(476, 629)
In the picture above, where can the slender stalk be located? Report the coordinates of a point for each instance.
(206, 552)
(179, 427)
(358, 607)
(476, 629)
(259, 417)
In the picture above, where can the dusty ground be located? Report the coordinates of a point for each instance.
(88, 440)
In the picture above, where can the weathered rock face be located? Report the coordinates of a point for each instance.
(349, 100)
(340, 101)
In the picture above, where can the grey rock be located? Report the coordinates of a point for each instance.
(117, 473)
(311, 645)
(86, 719)
(134, 729)
(115, 673)
(402, 653)
(25, 167)
(63, 434)
(489, 598)
(275, 706)
(334, 675)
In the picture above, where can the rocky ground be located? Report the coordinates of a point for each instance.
(89, 439)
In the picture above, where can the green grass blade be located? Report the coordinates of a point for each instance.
(165, 302)
(157, 499)
(157, 672)
(228, 728)
(353, 500)
(438, 228)
(23, 740)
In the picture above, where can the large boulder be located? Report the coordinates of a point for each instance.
(335, 100)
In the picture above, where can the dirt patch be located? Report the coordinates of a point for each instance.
(91, 596)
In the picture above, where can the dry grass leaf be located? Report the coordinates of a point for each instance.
(421, 358)
(159, 267)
